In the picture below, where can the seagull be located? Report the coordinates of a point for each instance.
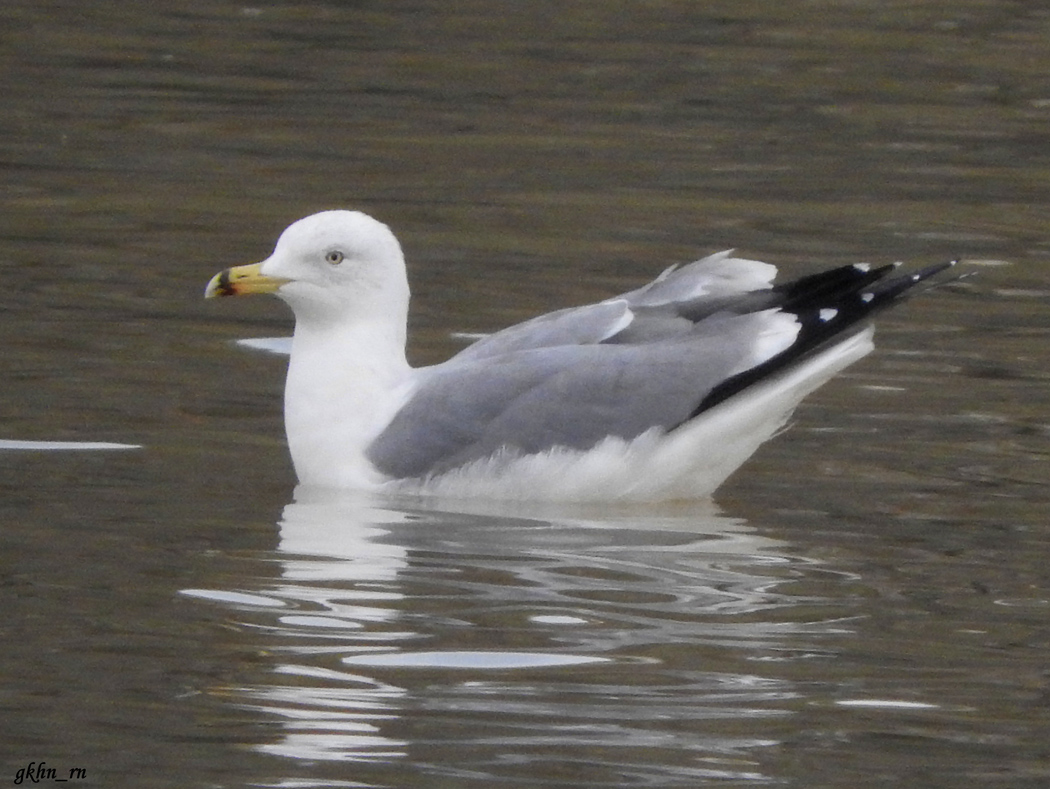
(656, 394)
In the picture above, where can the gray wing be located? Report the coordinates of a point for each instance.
(574, 326)
(570, 396)
(715, 276)
(702, 287)
(655, 357)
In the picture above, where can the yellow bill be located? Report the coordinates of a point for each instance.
(242, 281)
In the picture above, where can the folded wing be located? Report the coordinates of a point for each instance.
(652, 359)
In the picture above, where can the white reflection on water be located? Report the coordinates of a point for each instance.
(888, 704)
(471, 660)
(61, 446)
(281, 346)
(514, 642)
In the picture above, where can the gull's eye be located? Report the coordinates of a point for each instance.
(335, 257)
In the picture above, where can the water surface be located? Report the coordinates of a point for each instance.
(866, 603)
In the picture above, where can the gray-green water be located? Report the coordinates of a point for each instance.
(867, 604)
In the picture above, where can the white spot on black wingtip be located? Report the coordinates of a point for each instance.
(867, 297)
(863, 267)
(897, 264)
(827, 314)
(916, 277)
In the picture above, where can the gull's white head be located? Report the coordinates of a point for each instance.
(343, 275)
(329, 267)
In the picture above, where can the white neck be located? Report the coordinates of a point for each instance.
(342, 390)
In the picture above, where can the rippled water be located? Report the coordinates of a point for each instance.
(495, 648)
(866, 604)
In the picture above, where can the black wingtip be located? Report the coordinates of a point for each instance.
(888, 291)
(829, 306)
